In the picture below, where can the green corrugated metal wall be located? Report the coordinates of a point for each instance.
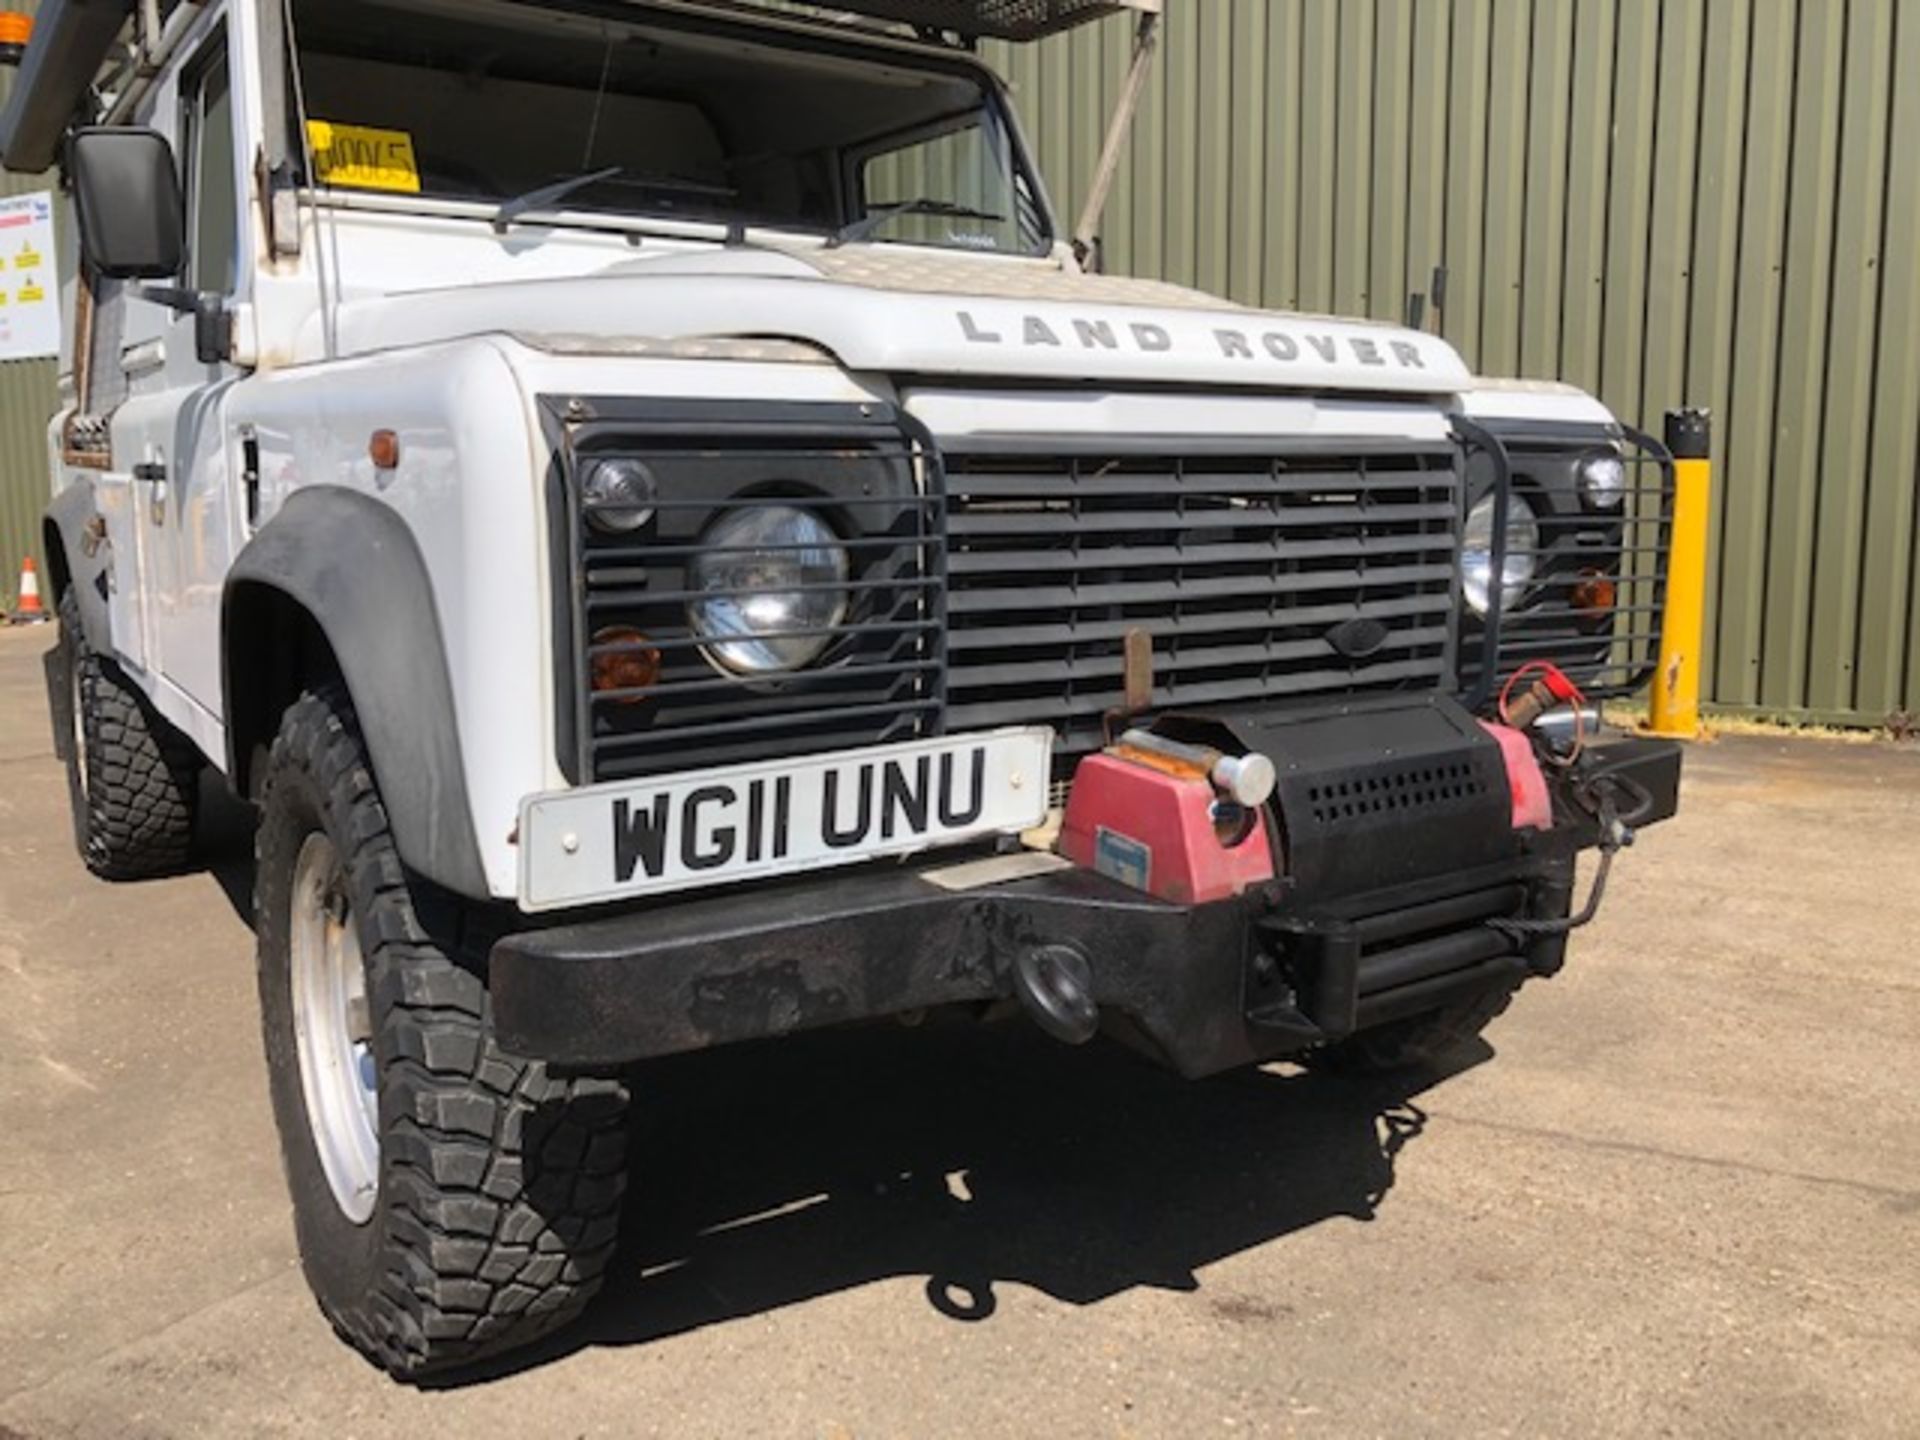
(26, 400)
(1659, 200)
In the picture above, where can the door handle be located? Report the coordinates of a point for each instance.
(151, 470)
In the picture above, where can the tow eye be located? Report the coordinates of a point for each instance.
(1055, 983)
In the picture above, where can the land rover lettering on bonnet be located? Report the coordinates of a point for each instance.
(1285, 346)
(680, 544)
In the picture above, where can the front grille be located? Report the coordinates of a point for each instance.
(1242, 567)
(878, 678)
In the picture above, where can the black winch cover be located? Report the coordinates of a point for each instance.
(1379, 794)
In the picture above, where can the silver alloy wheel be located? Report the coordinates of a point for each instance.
(79, 722)
(333, 1030)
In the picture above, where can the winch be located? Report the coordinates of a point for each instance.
(1183, 822)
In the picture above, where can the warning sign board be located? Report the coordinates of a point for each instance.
(29, 291)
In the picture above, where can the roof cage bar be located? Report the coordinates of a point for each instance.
(1146, 39)
(974, 20)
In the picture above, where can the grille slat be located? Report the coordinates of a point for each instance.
(1237, 566)
(1194, 626)
(1198, 481)
(964, 716)
(1013, 596)
(812, 719)
(1187, 658)
(1036, 523)
(986, 562)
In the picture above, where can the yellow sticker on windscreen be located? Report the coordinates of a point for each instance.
(360, 157)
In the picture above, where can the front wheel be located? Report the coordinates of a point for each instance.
(451, 1201)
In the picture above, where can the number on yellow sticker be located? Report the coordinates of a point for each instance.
(361, 157)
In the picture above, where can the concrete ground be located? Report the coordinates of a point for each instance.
(1681, 1195)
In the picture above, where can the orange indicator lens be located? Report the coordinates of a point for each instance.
(634, 666)
(1594, 594)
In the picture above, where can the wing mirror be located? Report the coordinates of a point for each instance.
(126, 198)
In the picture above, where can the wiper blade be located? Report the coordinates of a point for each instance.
(548, 195)
(865, 226)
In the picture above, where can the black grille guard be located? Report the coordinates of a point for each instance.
(1609, 659)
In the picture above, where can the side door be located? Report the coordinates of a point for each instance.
(173, 424)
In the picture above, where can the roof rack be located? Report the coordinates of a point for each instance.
(982, 19)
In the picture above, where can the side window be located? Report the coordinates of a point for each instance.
(206, 99)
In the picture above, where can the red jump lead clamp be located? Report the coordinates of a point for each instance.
(1545, 686)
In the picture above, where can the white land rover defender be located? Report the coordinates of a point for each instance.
(680, 548)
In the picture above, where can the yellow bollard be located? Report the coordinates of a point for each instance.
(1676, 685)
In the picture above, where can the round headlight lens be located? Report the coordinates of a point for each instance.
(1476, 553)
(770, 571)
(619, 496)
(1603, 482)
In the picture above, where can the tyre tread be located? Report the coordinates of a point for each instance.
(136, 810)
(495, 1233)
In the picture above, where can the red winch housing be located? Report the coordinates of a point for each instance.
(1158, 824)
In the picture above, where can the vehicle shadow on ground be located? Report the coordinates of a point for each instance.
(975, 1156)
(223, 843)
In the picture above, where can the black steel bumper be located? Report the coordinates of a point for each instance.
(1210, 987)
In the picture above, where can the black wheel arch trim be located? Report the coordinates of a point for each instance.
(352, 566)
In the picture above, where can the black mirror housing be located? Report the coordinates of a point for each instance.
(126, 198)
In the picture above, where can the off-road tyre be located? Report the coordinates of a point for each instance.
(1419, 1040)
(132, 779)
(499, 1181)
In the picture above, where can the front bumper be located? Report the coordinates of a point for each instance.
(1209, 987)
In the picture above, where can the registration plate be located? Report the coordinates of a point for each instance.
(744, 822)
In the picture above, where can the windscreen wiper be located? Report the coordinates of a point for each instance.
(862, 228)
(548, 196)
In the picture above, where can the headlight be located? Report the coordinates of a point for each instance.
(619, 495)
(1476, 553)
(771, 570)
(1603, 482)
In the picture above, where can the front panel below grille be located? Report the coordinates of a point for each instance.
(1257, 576)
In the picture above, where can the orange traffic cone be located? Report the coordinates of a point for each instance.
(29, 611)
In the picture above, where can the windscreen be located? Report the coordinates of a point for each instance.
(657, 116)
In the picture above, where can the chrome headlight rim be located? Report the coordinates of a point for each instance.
(752, 621)
(1601, 480)
(1521, 562)
(619, 494)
